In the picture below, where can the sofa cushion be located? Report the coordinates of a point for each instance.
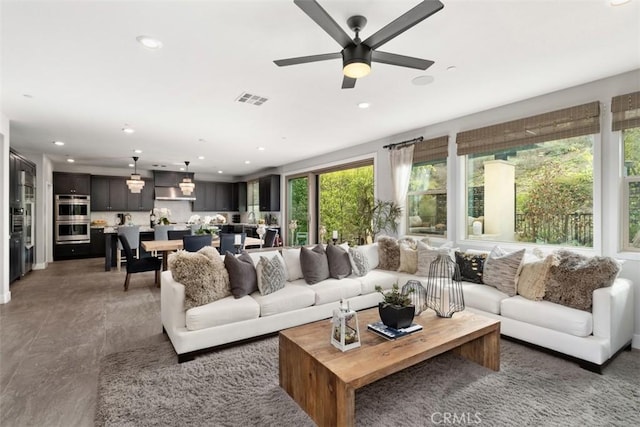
(271, 274)
(408, 258)
(222, 312)
(291, 258)
(482, 297)
(359, 262)
(385, 279)
(339, 262)
(203, 275)
(533, 277)
(371, 253)
(242, 274)
(389, 252)
(471, 266)
(548, 315)
(576, 276)
(331, 290)
(501, 270)
(314, 263)
(293, 296)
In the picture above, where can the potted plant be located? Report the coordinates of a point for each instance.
(374, 216)
(396, 310)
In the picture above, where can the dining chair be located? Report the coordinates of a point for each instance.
(160, 232)
(270, 238)
(196, 242)
(138, 265)
(302, 238)
(132, 233)
(228, 240)
(178, 234)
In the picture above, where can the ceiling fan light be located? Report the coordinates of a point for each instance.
(356, 70)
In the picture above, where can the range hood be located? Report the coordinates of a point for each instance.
(172, 193)
(166, 186)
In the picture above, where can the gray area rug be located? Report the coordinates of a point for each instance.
(238, 386)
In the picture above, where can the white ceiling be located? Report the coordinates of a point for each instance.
(73, 71)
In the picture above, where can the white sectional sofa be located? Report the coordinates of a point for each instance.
(591, 338)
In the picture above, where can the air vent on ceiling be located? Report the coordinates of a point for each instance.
(249, 98)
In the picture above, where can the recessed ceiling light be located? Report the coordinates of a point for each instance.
(58, 143)
(452, 68)
(70, 160)
(137, 151)
(26, 95)
(618, 2)
(219, 171)
(202, 140)
(128, 129)
(200, 157)
(246, 162)
(149, 42)
(364, 105)
(181, 169)
(422, 80)
(131, 165)
(260, 148)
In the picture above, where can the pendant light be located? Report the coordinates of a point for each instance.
(135, 184)
(186, 185)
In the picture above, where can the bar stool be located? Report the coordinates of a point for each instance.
(132, 233)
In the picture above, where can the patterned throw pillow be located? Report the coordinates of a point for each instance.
(271, 274)
(389, 252)
(470, 266)
(501, 270)
(533, 277)
(359, 262)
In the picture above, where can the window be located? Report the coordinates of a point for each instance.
(426, 211)
(531, 180)
(298, 210)
(631, 199)
(625, 112)
(253, 199)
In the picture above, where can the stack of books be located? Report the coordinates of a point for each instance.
(392, 333)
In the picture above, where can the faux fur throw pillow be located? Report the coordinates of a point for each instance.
(203, 275)
(576, 276)
(389, 252)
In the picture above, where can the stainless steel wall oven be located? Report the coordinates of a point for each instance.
(73, 219)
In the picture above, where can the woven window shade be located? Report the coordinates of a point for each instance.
(625, 111)
(566, 123)
(431, 149)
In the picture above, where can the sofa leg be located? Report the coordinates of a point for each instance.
(157, 278)
(187, 357)
(126, 282)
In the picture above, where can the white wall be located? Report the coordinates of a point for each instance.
(607, 154)
(5, 293)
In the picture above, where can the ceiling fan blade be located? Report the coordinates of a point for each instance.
(348, 83)
(400, 60)
(305, 59)
(416, 15)
(326, 22)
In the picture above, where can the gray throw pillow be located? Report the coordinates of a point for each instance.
(501, 270)
(359, 262)
(572, 281)
(339, 263)
(203, 275)
(315, 267)
(271, 274)
(242, 274)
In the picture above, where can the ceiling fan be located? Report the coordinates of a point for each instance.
(356, 54)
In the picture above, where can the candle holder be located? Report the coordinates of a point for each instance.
(335, 241)
(237, 248)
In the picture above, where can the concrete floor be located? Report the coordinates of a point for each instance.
(58, 325)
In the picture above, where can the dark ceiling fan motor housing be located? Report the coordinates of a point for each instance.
(355, 51)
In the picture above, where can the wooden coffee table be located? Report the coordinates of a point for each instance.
(323, 380)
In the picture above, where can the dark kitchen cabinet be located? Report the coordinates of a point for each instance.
(213, 196)
(269, 193)
(14, 190)
(71, 183)
(97, 242)
(108, 193)
(78, 250)
(201, 193)
(239, 196)
(142, 201)
(15, 260)
(223, 196)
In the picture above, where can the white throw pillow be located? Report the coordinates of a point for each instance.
(292, 263)
(371, 252)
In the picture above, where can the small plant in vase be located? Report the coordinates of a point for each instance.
(396, 310)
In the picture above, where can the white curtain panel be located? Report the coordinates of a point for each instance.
(401, 162)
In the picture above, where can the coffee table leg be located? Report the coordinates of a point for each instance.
(345, 405)
(484, 350)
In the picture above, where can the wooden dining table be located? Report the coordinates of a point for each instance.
(167, 246)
